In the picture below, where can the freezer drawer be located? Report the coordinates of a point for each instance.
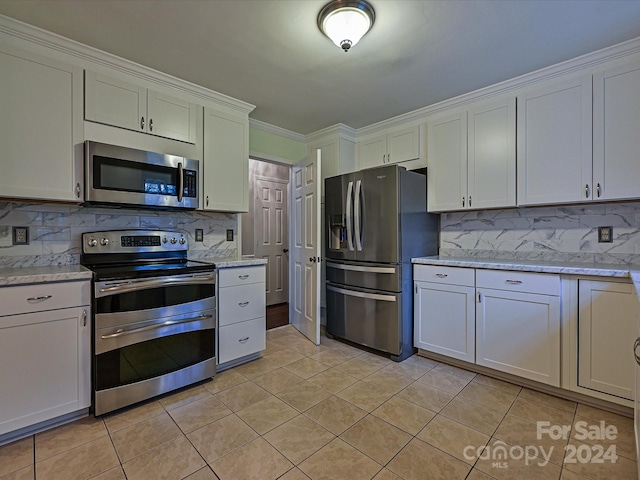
(373, 276)
(369, 318)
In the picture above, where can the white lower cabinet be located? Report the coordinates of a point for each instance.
(241, 312)
(607, 323)
(45, 353)
(518, 324)
(444, 311)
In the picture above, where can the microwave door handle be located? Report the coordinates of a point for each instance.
(356, 213)
(349, 219)
(180, 182)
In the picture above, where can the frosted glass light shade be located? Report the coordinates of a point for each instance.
(345, 22)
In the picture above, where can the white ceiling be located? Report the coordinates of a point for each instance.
(270, 52)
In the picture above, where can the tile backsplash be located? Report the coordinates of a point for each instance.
(55, 230)
(566, 233)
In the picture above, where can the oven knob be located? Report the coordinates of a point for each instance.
(173, 240)
(104, 242)
(182, 241)
(164, 239)
(92, 242)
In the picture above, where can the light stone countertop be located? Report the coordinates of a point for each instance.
(229, 262)
(28, 275)
(566, 268)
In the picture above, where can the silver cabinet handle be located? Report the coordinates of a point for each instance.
(151, 124)
(243, 340)
(513, 282)
(388, 158)
(207, 200)
(587, 191)
(441, 275)
(598, 190)
(635, 350)
(39, 299)
(463, 201)
(84, 318)
(243, 277)
(243, 304)
(121, 331)
(142, 123)
(78, 191)
(469, 200)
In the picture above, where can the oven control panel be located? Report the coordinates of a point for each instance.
(123, 241)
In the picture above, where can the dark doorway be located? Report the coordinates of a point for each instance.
(277, 315)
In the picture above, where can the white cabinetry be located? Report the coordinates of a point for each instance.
(518, 324)
(225, 169)
(607, 323)
(395, 146)
(444, 311)
(40, 127)
(241, 312)
(554, 144)
(616, 143)
(472, 162)
(115, 102)
(45, 352)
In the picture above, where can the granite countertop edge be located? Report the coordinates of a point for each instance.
(566, 268)
(10, 276)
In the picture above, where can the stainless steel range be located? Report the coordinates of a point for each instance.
(154, 315)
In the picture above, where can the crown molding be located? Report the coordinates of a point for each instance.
(340, 129)
(283, 132)
(89, 57)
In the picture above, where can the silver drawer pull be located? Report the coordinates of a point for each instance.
(38, 299)
(441, 275)
(243, 277)
(513, 282)
(243, 340)
(243, 304)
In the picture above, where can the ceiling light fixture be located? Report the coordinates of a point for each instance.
(345, 22)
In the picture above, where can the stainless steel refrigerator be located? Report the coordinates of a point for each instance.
(376, 221)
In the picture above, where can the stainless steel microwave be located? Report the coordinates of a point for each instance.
(124, 176)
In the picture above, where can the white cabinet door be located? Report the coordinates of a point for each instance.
(444, 319)
(492, 155)
(616, 143)
(372, 152)
(45, 360)
(519, 333)
(171, 117)
(122, 104)
(226, 162)
(41, 131)
(607, 325)
(447, 159)
(403, 145)
(554, 144)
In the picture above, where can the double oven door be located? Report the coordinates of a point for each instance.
(152, 335)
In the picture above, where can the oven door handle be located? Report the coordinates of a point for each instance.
(143, 284)
(120, 332)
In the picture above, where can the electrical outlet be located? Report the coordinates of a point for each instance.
(229, 235)
(199, 235)
(605, 234)
(21, 235)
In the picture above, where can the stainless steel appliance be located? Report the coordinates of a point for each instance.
(125, 176)
(154, 316)
(376, 222)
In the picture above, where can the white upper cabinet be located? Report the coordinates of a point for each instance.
(616, 143)
(395, 146)
(40, 127)
(554, 144)
(225, 169)
(472, 161)
(115, 102)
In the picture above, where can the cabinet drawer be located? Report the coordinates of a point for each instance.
(240, 303)
(44, 296)
(241, 339)
(541, 283)
(228, 277)
(448, 275)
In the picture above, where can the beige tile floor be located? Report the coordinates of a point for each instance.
(326, 412)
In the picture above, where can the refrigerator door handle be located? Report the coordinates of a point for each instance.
(349, 219)
(355, 293)
(358, 220)
(356, 268)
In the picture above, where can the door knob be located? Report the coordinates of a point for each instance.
(285, 250)
(312, 259)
